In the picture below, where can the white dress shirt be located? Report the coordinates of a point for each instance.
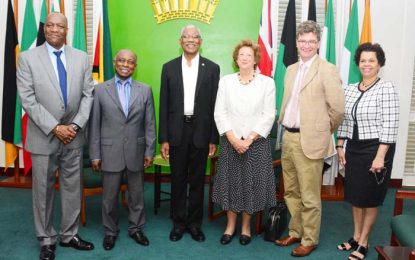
(245, 108)
(52, 56)
(289, 104)
(189, 83)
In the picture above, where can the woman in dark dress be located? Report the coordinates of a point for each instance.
(370, 129)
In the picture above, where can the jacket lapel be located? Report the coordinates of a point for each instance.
(200, 75)
(312, 71)
(44, 58)
(134, 93)
(113, 94)
(69, 70)
(179, 73)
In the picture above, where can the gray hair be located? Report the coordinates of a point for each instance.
(127, 50)
(191, 26)
(309, 27)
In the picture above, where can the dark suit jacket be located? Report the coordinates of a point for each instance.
(119, 141)
(172, 103)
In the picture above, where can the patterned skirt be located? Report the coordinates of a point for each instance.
(245, 183)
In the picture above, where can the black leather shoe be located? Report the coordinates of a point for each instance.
(109, 242)
(197, 234)
(77, 243)
(47, 252)
(140, 238)
(244, 240)
(226, 239)
(176, 234)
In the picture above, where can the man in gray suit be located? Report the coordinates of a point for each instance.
(122, 143)
(55, 89)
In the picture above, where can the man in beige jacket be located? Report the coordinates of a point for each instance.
(312, 109)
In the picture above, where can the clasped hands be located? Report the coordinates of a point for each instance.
(241, 146)
(65, 133)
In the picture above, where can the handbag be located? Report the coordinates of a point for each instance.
(276, 222)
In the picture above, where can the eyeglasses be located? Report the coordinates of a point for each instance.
(52, 25)
(310, 42)
(123, 61)
(380, 176)
(188, 37)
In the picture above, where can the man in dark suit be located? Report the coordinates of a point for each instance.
(55, 89)
(121, 143)
(188, 133)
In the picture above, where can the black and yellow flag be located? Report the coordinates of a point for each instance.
(11, 50)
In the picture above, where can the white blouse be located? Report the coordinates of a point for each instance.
(245, 108)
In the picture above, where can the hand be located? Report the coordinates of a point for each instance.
(377, 165)
(65, 133)
(96, 165)
(342, 156)
(240, 146)
(165, 149)
(212, 150)
(148, 161)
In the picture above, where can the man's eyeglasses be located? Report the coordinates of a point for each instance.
(310, 42)
(188, 37)
(123, 61)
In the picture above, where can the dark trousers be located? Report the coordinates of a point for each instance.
(188, 165)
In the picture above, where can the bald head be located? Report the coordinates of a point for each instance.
(125, 63)
(56, 29)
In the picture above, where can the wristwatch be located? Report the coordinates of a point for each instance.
(76, 127)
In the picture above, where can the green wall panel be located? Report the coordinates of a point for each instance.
(133, 26)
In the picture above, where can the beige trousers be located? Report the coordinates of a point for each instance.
(302, 183)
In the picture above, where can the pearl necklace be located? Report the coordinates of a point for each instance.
(246, 82)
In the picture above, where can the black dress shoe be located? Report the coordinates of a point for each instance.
(77, 243)
(140, 238)
(47, 252)
(109, 242)
(176, 234)
(226, 239)
(244, 240)
(197, 234)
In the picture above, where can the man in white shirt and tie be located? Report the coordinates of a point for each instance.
(55, 89)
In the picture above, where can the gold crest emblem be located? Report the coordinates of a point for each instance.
(201, 10)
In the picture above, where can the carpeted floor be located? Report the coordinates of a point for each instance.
(17, 239)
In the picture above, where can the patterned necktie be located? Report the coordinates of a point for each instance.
(122, 93)
(62, 76)
(292, 117)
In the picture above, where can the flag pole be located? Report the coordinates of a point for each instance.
(16, 171)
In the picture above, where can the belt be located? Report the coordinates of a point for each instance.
(292, 130)
(188, 119)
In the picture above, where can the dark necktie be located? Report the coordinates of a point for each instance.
(62, 75)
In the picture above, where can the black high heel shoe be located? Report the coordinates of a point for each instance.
(226, 238)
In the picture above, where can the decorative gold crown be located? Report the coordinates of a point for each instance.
(201, 10)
